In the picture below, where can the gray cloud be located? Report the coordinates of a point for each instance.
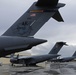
(64, 52)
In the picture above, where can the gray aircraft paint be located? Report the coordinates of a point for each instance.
(33, 19)
(33, 60)
(65, 59)
(57, 47)
(74, 54)
(11, 45)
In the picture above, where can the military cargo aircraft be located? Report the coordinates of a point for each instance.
(65, 59)
(33, 60)
(18, 37)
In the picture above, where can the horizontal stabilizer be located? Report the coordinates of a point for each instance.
(57, 16)
(46, 3)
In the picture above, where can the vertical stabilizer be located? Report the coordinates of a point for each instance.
(74, 54)
(35, 17)
(12, 56)
(30, 22)
(57, 47)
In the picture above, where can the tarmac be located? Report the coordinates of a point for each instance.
(67, 68)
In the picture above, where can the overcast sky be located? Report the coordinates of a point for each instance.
(53, 31)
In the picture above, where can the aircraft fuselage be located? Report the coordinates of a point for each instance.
(10, 44)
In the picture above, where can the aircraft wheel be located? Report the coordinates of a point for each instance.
(12, 64)
(23, 62)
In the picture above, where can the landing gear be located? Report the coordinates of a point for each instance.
(23, 63)
(12, 64)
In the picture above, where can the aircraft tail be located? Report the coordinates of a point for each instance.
(34, 18)
(74, 54)
(30, 22)
(57, 16)
(57, 47)
(13, 56)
